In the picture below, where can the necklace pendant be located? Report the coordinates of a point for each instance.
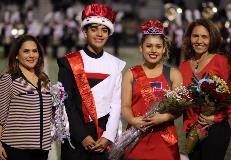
(196, 67)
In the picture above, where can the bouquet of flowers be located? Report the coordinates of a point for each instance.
(60, 124)
(213, 93)
(176, 101)
(171, 101)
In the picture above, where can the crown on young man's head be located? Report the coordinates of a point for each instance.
(152, 27)
(100, 14)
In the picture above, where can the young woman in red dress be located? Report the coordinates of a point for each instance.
(142, 82)
(200, 45)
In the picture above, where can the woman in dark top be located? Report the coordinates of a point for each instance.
(26, 103)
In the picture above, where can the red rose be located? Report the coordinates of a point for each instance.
(212, 86)
(219, 96)
(205, 86)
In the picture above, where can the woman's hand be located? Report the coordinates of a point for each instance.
(206, 120)
(139, 123)
(156, 119)
(3, 155)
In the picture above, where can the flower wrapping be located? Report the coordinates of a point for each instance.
(170, 101)
(60, 123)
(130, 137)
(213, 94)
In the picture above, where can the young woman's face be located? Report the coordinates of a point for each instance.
(28, 55)
(153, 49)
(96, 35)
(200, 39)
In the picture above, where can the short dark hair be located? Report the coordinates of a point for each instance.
(89, 25)
(215, 37)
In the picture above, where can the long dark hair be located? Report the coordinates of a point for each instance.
(215, 40)
(13, 64)
(215, 37)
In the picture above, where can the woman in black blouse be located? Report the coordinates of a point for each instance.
(26, 103)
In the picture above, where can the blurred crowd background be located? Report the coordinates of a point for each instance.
(57, 23)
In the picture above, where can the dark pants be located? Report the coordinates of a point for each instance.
(25, 154)
(215, 145)
(79, 153)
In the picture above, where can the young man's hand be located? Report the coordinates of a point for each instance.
(101, 145)
(3, 155)
(88, 143)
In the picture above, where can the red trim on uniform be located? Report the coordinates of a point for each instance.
(97, 75)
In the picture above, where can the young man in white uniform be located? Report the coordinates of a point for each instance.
(92, 79)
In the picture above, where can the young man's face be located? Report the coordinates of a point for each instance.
(96, 36)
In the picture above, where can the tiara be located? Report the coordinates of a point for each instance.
(152, 27)
(153, 30)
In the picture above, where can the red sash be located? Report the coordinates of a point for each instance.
(144, 86)
(149, 97)
(88, 105)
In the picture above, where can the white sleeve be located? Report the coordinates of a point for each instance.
(115, 110)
